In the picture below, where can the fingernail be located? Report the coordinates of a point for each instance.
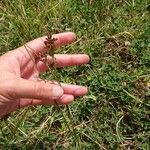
(57, 91)
(81, 91)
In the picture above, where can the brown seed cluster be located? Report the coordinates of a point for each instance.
(49, 43)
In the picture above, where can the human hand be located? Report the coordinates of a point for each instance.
(19, 84)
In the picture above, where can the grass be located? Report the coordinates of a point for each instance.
(115, 114)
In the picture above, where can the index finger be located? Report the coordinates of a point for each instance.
(37, 46)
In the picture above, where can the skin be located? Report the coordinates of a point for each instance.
(20, 85)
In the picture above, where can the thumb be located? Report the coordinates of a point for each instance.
(37, 90)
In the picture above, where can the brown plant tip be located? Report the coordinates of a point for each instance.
(49, 43)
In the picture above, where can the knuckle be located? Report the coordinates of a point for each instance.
(40, 89)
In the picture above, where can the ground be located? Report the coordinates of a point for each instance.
(115, 114)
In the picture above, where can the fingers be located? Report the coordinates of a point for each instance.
(64, 100)
(37, 46)
(45, 90)
(74, 90)
(36, 90)
(64, 60)
(71, 60)
(69, 92)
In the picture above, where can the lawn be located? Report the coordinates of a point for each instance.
(115, 115)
